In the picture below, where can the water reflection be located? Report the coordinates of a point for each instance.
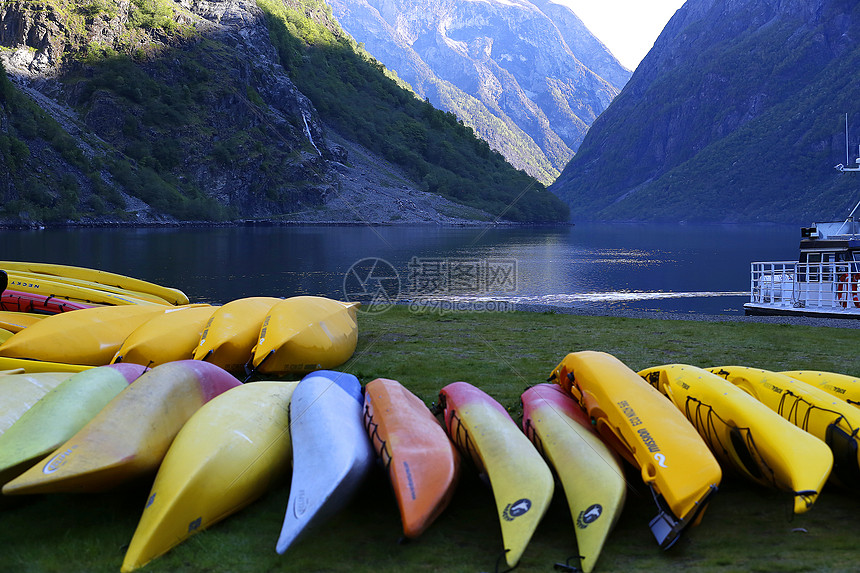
(652, 267)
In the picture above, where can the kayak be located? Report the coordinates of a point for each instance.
(130, 435)
(169, 295)
(332, 455)
(56, 287)
(17, 301)
(521, 481)
(746, 435)
(226, 456)
(840, 385)
(422, 463)
(37, 366)
(19, 391)
(305, 333)
(823, 415)
(166, 337)
(590, 472)
(59, 414)
(674, 460)
(90, 336)
(232, 331)
(14, 321)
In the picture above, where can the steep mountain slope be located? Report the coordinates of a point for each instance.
(152, 110)
(736, 114)
(527, 76)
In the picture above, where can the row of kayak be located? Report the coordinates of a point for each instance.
(221, 443)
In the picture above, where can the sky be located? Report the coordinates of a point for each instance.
(627, 27)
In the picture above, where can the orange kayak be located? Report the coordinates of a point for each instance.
(422, 462)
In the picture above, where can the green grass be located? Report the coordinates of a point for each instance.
(746, 528)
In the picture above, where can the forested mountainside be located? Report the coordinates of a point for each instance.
(528, 76)
(736, 114)
(153, 110)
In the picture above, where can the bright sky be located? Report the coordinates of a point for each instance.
(627, 27)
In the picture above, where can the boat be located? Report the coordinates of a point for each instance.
(166, 337)
(520, 479)
(59, 414)
(232, 331)
(823, 415)
(129, 437)
(70, 273)
(302, 334)
(28, 366)
(650, 432)
(228, 454)
(824, 281)
(89, 293)
(18, 301)
(19, 391)
(90, 336)
(419, 458)
(591, 473)
(840, 385)
(746, 435)
(332, 455)
(15, 321)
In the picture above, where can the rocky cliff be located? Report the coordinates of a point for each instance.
(527, 76)
(736, 114)
(154, 111)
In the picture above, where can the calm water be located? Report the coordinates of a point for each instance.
(646, 267)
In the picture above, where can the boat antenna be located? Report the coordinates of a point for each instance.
(843, 169)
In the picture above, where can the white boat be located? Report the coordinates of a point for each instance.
(823, 282)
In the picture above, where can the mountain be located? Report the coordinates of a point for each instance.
(155, 111)
(528, 76)
(735, 115)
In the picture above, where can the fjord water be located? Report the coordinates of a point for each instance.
(680, 268)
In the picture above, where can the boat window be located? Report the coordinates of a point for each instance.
(814, 265)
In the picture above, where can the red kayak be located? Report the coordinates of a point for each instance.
(45, 304)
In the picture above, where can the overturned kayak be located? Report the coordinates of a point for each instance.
(20, 391)
(422, 463)
(590, 472)
(227, 455)
(166, 337)
(332, 454)
(828, 418)
(653, 435)
(90, 336)
(521, 481)
(306, 333)
(130, 435)
(59, 414)
(745, 434)
(229, 336)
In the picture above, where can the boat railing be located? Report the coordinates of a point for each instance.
(790, 284)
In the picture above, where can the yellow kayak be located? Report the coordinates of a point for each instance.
(129, 437)
(166, 337)
(38, 366)
(590, 472)
(522, 482)
(306, 333)
(87, 286)
(54, 287)
(823, 415)
(169, 295)
(650, 432)
(840, 385)
(18, 321)
(226, 456)
(59, 414)
(232, 331)
(745, 434)
(19, 391)
(89, 336)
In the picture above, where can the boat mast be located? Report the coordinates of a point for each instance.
(843, 169)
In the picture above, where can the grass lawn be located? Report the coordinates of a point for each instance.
(746, 528)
